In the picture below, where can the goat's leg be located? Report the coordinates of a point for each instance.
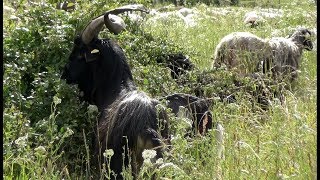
(149, 139)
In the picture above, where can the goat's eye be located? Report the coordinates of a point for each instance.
(79, 56)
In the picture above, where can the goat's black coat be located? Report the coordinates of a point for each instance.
(101, 71)
(132, 114)
(102, 79)
(198, 107)
(178, 63)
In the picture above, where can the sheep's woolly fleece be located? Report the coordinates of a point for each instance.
(191, 16)
(241, 51)
(185, 15)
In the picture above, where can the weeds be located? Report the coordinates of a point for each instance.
(48, 132)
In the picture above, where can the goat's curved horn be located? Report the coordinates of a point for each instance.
(96, 25)
(115, 27)
(92, 29)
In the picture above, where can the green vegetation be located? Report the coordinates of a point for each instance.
(47, 132)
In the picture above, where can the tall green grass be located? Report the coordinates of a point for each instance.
(50, 137)
(277, 144)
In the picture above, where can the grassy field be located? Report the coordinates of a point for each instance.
(47, 136)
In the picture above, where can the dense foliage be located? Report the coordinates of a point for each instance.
(47, 131)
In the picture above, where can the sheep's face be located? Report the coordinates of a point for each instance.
(307, 43)
(303, 36)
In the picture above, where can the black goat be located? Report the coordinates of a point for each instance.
(178, 64)
(66, 5)
(129, 121)
(198, 110)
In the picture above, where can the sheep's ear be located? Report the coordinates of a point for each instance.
(92, 55)
(308, 34)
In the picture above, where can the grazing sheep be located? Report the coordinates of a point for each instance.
(187, 16)
(253, 19)
(235, 49)
(247, 53)
(129, 120)
(186, 11)
(136, 18)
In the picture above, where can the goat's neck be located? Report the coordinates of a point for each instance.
(104, 97)
(112, 74)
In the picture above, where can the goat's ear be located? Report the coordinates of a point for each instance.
(92, 55)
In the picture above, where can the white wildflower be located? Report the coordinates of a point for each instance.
(21, 141)
(69, 132)
(147, 162)
(56, 100)
(282, 176)
(40, 150)
(149, 154)
(108, 153)
(159, 161)
(14, 18)
(169, 165)
(92, 109)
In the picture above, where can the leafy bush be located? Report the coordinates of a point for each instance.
(39, 109)
(48, 132)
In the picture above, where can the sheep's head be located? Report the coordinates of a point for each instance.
(88, 49)
(303, 36)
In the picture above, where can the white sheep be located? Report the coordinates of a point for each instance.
(186, 16)
(246, 53)
(259, 16)
(186, 11)
(252, 18)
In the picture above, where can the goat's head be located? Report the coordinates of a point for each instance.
(90, 53)
(181, 61)
(178, 63)
(303, 36)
